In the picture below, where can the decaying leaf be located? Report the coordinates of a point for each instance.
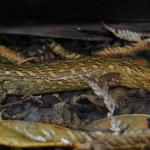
(29, 134)
(124, 34)
(136, 134)
(42, 54)
(124, 51)
(134, 122)
(61, 51)
(12, 56)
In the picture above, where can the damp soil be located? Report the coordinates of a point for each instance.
(72, 109)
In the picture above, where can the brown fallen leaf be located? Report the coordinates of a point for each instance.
(134, 122)
(135, 136)
(29, 134)
(12, 56)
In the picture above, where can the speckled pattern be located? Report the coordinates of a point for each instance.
(70, 74)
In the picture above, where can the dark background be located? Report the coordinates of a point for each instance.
(74, 11)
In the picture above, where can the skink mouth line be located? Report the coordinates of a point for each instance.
(40, 77)
(25, 76)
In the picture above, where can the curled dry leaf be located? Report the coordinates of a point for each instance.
(124, 34)
(124, 51)
(134, 122)
(61, 51)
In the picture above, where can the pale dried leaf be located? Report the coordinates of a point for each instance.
(124, 34)
(115, 126)
(124, 51)
(103, 92)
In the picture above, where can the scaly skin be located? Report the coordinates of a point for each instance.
(70, 74)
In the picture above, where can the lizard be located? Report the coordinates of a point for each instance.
(69, 75)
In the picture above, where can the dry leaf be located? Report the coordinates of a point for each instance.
(129, 141)
(29, 134)
(136, 135)
(135, 122)
(12, 56)
(102, 93)
(124, 51)
(124, 34)
(61, 51)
